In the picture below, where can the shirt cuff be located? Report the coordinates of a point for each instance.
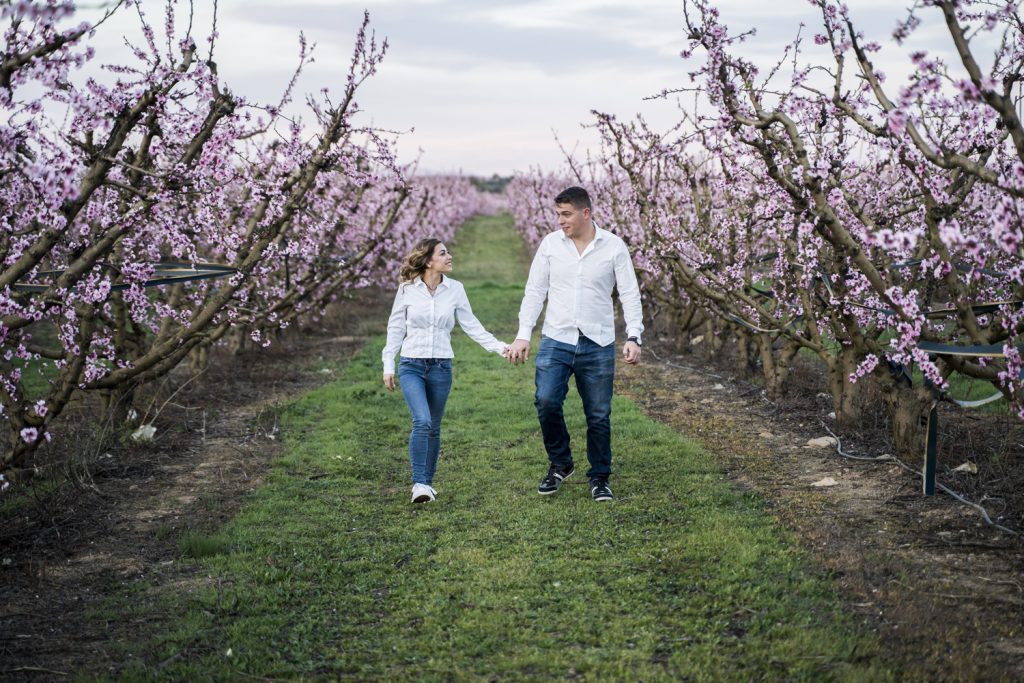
(389, 367)
(524, 333)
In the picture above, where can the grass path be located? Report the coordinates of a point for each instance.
(329, 572)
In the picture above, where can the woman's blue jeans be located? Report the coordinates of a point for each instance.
(594, 367)
(425, 384)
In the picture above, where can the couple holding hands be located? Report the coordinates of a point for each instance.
(575, 270)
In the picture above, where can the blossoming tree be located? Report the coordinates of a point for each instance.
(165, 165)
(809, 207)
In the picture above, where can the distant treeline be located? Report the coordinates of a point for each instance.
(495, 183)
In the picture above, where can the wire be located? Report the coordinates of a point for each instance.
(684, 367)
(881, 458)
(946, 489)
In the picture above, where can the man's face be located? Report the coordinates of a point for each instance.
(571, 220)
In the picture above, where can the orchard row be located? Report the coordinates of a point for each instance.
(108, 185)
(818, 208)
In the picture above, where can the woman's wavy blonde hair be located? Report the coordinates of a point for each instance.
(416, 262)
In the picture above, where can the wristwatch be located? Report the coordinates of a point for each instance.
(635, 340)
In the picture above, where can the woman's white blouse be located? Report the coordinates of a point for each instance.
(421, 324)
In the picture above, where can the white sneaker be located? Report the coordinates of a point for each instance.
(421, 493)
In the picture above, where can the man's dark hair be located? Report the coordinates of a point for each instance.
(576, 196)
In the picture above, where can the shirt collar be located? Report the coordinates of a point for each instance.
(599, 234)
(418, 282)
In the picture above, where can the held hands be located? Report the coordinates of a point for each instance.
(389, 381)
(518, 352)
(631, 353)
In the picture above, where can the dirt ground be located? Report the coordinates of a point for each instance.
(940, 587)
(120, 519)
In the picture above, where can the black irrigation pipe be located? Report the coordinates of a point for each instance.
(165, 273)
(882, 458)
(961, 267)
(891, 458)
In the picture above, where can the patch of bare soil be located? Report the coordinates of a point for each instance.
(941, 588)
(110, 514)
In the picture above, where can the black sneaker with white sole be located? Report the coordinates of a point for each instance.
(599, 490)
(554, 478)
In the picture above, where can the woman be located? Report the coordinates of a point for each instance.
(426, 308)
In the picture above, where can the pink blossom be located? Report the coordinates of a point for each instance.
(897, 121)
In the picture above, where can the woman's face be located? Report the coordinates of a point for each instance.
(440, 260)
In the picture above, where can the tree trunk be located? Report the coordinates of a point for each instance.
(776, 370)
(236, 341)
(199, 359)
(118, 405)
(844, 392)
(908, 410)
(683, 324)
(712, 340)
(745, 349)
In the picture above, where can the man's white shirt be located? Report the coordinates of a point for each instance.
(578, 288)
(421, 324)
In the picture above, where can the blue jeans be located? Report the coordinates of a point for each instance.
(425, 384)
(594, 367)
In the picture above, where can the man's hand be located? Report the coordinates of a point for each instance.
(389, 381)
(631, 352)
(519, 352)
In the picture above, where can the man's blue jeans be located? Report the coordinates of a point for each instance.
(594, 367)
(425, 384)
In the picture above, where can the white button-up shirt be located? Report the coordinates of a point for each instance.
(578, 288)
(421, 324)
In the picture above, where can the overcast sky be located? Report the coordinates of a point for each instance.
(486, 84)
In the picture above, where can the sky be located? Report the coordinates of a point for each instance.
(485, 86)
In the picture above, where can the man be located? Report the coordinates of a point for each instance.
(575, 270)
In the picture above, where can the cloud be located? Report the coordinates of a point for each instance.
(485, 84)
(456, 34)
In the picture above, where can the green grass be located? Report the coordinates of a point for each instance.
(328, 572)
(196, 545)
(36, 376)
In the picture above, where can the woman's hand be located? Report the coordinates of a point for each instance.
(389, 381)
